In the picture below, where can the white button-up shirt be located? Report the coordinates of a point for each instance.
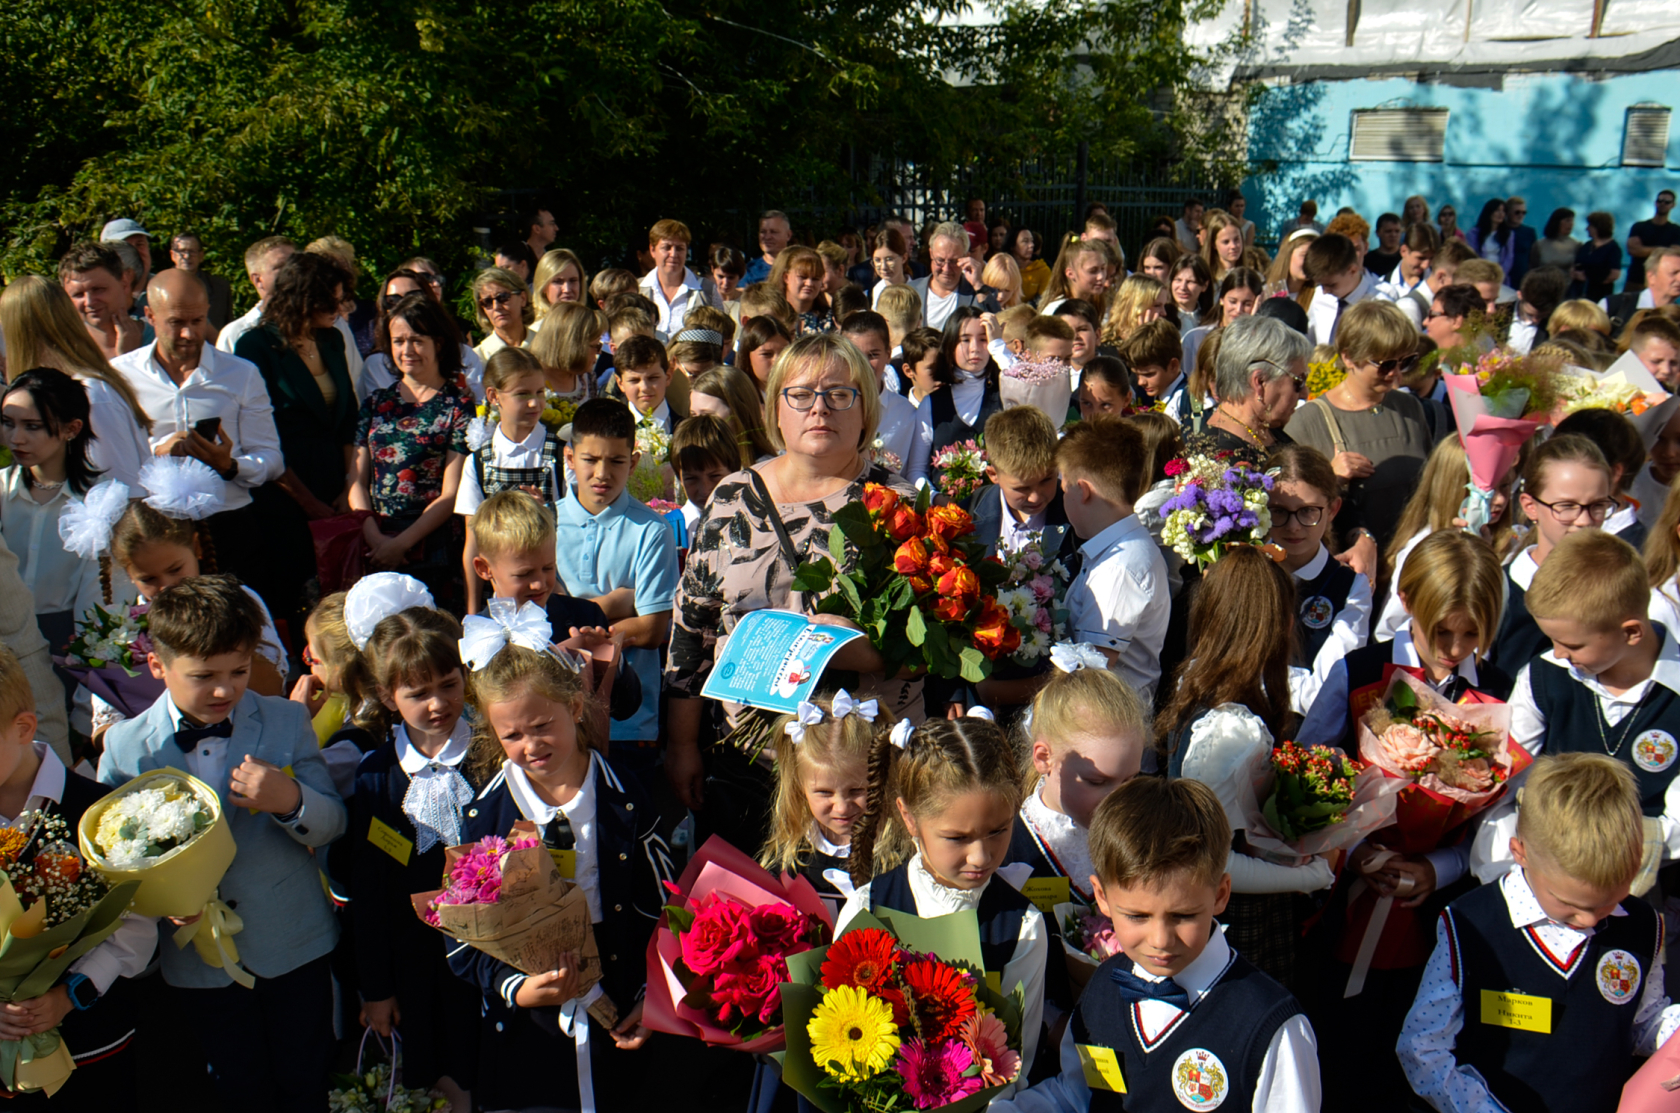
(1120, 601)
(222, 386)
(580, 814)
(1321, 314)
(1013, 534)
(672, 311)
(504, 454)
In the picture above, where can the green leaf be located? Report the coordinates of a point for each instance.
(975, 667)
(915, 626)
(837, 546)
(814, 576)
(856, 523)
(849, 590)
(680, 919)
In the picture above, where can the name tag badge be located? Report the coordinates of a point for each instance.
(390, 840)
(1101, 1067)
(1047, 892)
(566, 862)
(1517, 1010)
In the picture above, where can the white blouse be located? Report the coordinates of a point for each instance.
(59, 580)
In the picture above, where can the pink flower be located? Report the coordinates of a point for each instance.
(1407, 747)
(1475, 775)
(1043, 621)
(988, 1041)
(750, 990)
(1033, 559)
(934, 1076)
(1043, 589)
(716, 936)
(1097, 937)
(779, 927)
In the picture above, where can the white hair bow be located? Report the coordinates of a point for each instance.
(85, 527)
(901, 732)
(376, 597)
(479, 432)
(483, 638)
(182, 487)
(845, 705)
(1073, 656)
(978, 712)
(808, 715)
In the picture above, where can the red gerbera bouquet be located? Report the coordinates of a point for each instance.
(915, 581)
(875, 1024)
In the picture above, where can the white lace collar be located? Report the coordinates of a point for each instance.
(1066, 839)
(936, 899)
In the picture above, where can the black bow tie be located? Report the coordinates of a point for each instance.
(1134, 988)
(187, 737)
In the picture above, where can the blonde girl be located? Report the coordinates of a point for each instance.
(939, 819)
(1287, 276)
(567, 346)
(540, 741)
(1139, 300)
(1003, 276)
(560, 278)
(822, 787)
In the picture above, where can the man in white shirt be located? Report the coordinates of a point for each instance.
(670, 285)
(943, 290)
(263, 260)
(1188, 226)
(1334, 264)
(1417, 256)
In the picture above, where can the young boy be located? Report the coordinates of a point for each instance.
(1655, 341)
(1105, 388)
(1543, 987)
(902, 433)
(268, 1047)
(1007, 334)
(923, 360)
(902, 307)
(704, 449)
(643, 375)
(1155, 354)
(762, 300)
(1120, 600)
(1179, 1019)
(616, 551)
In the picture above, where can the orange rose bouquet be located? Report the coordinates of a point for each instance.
(914, 580)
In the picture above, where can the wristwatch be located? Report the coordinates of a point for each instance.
(232, 473)
(83, 993)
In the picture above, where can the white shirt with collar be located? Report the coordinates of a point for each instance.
(1321, 314)
(661, 415)
(239, 326)
(57, 579)
(1120, 601)
(580, 812)
(1013, 535)
(905, 434)
(1395, 286)
(671, 311)
(1349, 629)
(448, 760)
(1288, 1081)
(221, 386)
(504, 453)
(1522, 568)
(126, 951)
(1394, 617)
(1437, 1016)
(208, 760)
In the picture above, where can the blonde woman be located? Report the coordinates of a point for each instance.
(1287, 276)
(1002, 280)
(41, 328)
(1139, 300)
(503, 309)
(567, 347)
(560, 277)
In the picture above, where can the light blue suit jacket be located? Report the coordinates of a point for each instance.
(274, 883)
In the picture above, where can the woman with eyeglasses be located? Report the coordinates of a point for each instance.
(504, 311)
(1259, 374)
(378, 372)
(1375, 435)
(822, 409)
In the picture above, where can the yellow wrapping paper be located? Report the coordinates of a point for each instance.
(47, 1073)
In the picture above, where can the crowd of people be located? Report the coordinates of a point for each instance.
(602, 474)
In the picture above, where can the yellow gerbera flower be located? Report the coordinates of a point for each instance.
(852, 1034)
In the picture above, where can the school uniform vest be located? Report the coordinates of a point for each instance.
(1594, 995)
(1214, 1051)
(494, 479)
(1367, 668)
(1000, 912)
(948, 425)
(1519, 640)
(1647, 741)
(815, 867)
(1634, 533)
(1318, 602)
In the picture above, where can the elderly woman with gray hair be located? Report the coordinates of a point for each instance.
(1260, 374)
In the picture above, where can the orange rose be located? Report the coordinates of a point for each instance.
(911, 557)
(949, 522)
(921, 585)
(879, 500)
(902, 522)
(936, 543)
(962, 584)
(950, 610)
(993, 634)
(940, 563)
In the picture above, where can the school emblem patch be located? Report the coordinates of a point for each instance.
(1618, 977)
(1199, 1080)
(1317, 612)
(1655, 750)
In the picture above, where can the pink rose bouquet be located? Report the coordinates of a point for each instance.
(1046, 384)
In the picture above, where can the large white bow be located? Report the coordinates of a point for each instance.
(483, 638)
(182, 487)
(378, 596)
(844, 705)
(1073, 656)
(85, 527)
(808, 715)
(901, 732)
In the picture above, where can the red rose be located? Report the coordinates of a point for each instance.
(749, 990)
(1176, 467)
(940, 564)
(903, 522)
(779, 928)
(714, 934)
(879, 500)
(950, 610)
(911, 557)
(960, 583)
(993, 634)
(949, 522)
(921, 585)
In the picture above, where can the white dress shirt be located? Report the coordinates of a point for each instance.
(1395, 286)
(1013, 535)
(580, 813)
(126, 951)
(1321, 314)
(222, 386)
(377, 374)
(671, 311)
(905, 434)
(1349, 630)
(1665, 606)
(1025, 967)
(1431, 1030)
(234, 329)
(208, 760)
(119, 448)
(58, 580)
(1288, 1080)
(504, 453)
(1120, 601)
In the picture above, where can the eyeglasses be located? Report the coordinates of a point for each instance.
(1567, 512)
(389, 301)
(497, 300)
(1300, 381)
(802, 398)
(1308, 516)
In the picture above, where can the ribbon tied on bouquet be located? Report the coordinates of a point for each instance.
(508, 624)
(212, 937)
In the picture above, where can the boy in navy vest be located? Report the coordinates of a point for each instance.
(1545, 985)
(1179, 1020)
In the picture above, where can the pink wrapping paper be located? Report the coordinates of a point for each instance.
(1491, 443)
(1648, 1091)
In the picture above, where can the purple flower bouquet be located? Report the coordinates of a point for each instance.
(1217, 504)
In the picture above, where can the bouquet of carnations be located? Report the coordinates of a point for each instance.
(1046, 384)
(651, 479)
(165, 830)
(960, 468)
(879, 1021)
(1087, 940)
(722, 948)
(915, 582)
(506, 897)
(108, 657)
(53, 911)
(1216, 503)
(1498, 402)
(1035, 595)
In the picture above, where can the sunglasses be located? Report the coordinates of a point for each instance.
(497, 300)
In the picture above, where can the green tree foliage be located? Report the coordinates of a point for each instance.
(393, 124)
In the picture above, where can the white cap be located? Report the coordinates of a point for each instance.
(122, 229)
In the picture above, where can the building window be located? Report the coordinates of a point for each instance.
(1645, 142)
(1398, 135)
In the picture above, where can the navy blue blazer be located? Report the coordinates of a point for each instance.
(1059, 538)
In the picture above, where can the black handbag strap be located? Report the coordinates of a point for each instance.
(789, 553)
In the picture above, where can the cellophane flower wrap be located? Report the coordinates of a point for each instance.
(1035, 595)
(1217, 502)
(1087, 940)
(916, 582)
(53, 910)
(960, 469)
(1627, 387)
(651, 478)
(1046, 384)
(166, 830)
(1312, 789)
(896, 1014)
(885, 457)
(720, 953)
(108, 656)
(1498, 401)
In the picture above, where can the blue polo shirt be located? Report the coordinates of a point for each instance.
(625, 545)
(757, 271)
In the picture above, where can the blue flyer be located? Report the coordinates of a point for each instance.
(773, 659)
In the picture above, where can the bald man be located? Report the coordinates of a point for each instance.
(210, 405)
